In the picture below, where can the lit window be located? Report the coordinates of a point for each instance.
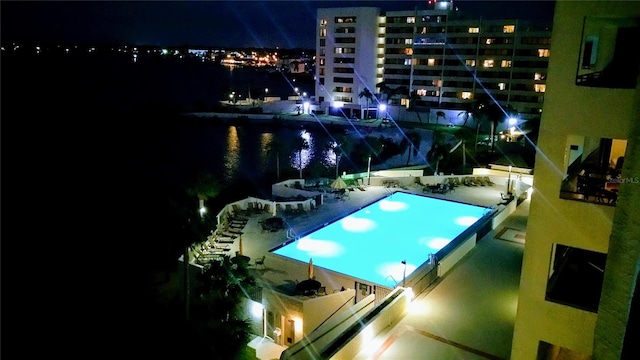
(538, 76)
(407, 62)
(474, 30)
(421, 92)
(489, 41)
(323, 22)
(408, 51)
(502, 86)
(321, 61)
(465, 95)
(411, 19)
(431, 62)
(505, 63)
(488, 63)
(408, 41)
(508, 29)
(543, 52)
(323, 32)
(470, 62)
(539, 87)
(437, 83)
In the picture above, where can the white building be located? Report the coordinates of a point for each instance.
(445, 61)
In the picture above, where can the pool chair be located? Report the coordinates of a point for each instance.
(260, 262)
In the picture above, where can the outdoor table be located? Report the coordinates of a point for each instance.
(275, 222)
(308, 287)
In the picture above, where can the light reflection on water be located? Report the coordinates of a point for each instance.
(243, 158)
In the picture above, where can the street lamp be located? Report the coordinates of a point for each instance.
(369, 171)
(509, 182)
(404, 273)
(381, 110)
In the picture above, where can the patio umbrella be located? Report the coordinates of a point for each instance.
(338, 184)
(310, 268)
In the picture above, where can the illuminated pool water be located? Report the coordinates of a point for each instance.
(371, 243)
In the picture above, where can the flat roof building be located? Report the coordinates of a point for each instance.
(429, 59)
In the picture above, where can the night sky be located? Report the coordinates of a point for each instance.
(239, 23)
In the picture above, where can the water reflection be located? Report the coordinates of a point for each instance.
(232, 155)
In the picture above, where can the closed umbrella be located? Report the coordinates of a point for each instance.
(310, 268)
(339, 184)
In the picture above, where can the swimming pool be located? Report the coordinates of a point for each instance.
(372, 242)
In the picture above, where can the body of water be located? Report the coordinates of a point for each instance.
(70, 106)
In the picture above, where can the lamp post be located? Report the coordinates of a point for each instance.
(404, 273)
(509, 182)
(382, 108)
(369, 171)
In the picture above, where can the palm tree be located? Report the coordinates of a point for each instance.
(440, 114)
(218, 306)
(466, 115)
(497, 114)
(369, 96)
(341, 145)
(202, 186)
(275, 147)
(411, 141)
(439, 151)
(413, 99)
(301, 144)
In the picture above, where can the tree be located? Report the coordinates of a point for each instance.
(411, 141)
(466, 115)
(300, 143)
(413, 99)
(218, 306)
(341, 145)
(439, 151)
(386, 91)
(369, 96)
(497, 114)
(440, 114)
(202, 186)
(276, 147)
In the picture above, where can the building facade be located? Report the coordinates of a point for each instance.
(433, 59)
(582, 254)
(346, 58)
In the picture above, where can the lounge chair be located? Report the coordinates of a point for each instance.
(260, 262)
(488, 181)
(204, 257)
(238, 211)
(225, 240)
(468, 181)
(229, 234)
(234, 231)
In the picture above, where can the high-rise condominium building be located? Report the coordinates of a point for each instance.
(432, 57)
(579, 283)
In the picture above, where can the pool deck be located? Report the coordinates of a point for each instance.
(447, 321)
